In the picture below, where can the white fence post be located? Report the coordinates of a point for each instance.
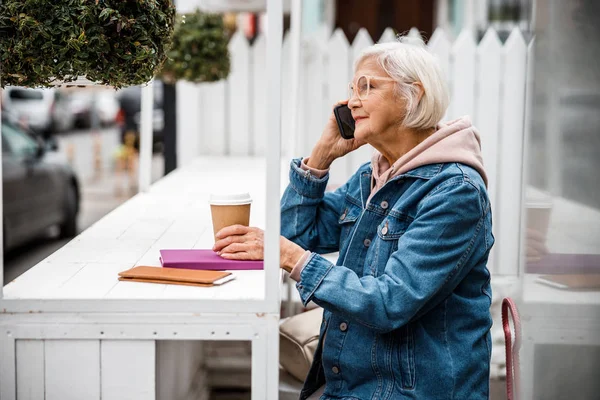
(189, 131)
(486, 117)
(294, 72)
(511, 153)
(238, 96)
(286, 94)
(313, 96)
(212, 115)
(526, 140)
(387, 36)
(363, 154)
(338, 75)
(440, 46)
(146, 137)
(463, 75)
(414, 33)
(259, 96)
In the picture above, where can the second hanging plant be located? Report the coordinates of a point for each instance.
(199, 52)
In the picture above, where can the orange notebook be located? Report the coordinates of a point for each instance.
(173, 276)
(572, 281)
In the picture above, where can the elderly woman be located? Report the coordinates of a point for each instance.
(406, 308)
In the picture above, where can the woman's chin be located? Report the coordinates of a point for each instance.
(361, 134)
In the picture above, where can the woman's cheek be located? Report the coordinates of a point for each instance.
(368, 126)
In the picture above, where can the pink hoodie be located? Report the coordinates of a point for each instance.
(453, 141)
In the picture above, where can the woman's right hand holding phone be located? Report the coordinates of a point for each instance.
(331, 145)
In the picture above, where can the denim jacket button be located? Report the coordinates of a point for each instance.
(384, 230)
(335, 370)
(384, 204)
(367, 242)
(343, 327)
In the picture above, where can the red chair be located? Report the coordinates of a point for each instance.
(513, 372)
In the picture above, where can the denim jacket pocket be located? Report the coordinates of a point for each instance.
(389, 232)
(350, 213)
(347, 220)
(392, 228)
(406, 356)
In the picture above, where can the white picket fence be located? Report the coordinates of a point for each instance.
(487, 80)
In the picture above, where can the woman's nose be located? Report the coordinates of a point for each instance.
(353, 101)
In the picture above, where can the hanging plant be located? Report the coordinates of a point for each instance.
(199, 52)
(111, 42)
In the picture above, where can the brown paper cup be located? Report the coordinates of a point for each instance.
(229, 209)
(538, 208)
(538, 217)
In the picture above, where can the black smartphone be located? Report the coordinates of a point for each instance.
(343, 116)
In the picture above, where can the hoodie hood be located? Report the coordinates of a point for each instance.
(454, 141)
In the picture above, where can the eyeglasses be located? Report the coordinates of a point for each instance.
(363, 86)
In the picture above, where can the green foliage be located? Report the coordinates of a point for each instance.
(115, 42)
(199, 52)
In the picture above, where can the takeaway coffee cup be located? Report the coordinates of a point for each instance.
(538, 207)
(229, 209)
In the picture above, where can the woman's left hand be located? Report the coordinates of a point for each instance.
(535, 244)
(238, 242)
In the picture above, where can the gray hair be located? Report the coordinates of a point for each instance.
(408, 61)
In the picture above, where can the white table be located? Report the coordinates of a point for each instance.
(555, 316)
(70, 330)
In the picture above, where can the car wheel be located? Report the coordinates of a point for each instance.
(68, 228)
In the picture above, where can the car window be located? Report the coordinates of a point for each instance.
(18, 142)
(5, 149)
(26, 94)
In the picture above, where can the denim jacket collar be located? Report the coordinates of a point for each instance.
(423, 172)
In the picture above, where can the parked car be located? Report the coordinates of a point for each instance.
(40, 188)
(107, 107)
(45, 111)
(104, 101)
(80, 105)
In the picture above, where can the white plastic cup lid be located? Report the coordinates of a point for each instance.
(535, 198)
(229, 199)
(538, 205)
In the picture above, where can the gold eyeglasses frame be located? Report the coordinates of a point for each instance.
(368, 78)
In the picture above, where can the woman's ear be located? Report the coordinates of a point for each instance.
(420, 91)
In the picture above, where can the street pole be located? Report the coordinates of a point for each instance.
(170, 127)
(1, 195)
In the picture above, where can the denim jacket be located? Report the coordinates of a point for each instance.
(406, 308)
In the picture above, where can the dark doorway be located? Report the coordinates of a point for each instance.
(376, 15)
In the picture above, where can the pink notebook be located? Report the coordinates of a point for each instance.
(203, 259)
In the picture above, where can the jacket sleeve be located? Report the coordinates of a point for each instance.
(433, 256)
(309, 216)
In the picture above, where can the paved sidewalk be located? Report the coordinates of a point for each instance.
(105, 193)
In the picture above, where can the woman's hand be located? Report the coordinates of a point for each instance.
(238, 242)
(535, 244)
(332, 145)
